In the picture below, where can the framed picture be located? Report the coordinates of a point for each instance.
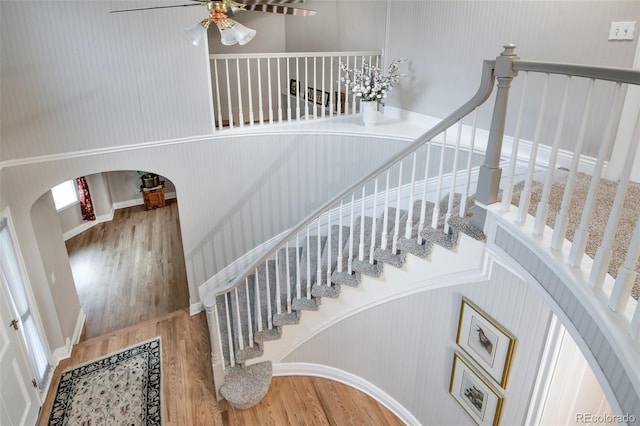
(475, 394)
(486, 341)
(317, 96)
(294, 87)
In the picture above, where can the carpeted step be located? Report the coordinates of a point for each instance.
(437, 236)
(245, 386)
(332, 291)
(287, 318)
(248, 352)
(306, 304)
(287, 274)
(345, 278)
(309, 263)
(267, 334)
(334, 243)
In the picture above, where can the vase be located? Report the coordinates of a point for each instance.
(369, 110)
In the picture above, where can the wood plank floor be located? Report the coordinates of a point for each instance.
(132, 286)
(130, 269)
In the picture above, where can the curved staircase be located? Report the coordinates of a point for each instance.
(253, 321)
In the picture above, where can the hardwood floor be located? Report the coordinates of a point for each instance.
(129, 270)
(302, 400)
(132, 286)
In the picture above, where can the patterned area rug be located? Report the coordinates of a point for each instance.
(123, 388)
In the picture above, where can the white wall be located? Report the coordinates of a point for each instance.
(405, 347)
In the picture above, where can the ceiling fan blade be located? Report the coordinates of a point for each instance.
(255, 2)
(269, 8)
(159, 7)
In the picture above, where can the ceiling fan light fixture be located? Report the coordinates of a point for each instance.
(243, 34)
(232, 32)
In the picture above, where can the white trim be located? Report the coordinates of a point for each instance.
(349, 379)
(109, 216)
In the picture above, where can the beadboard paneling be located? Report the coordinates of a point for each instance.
(610, 363)
(405, 347)
(233, 193)
(75, 76)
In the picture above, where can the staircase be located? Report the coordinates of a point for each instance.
(296, 279)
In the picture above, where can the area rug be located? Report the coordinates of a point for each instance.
(123, 388)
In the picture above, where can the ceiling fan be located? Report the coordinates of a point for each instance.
(231, 32)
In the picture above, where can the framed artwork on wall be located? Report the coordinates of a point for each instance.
(485, 341)
(475, 394)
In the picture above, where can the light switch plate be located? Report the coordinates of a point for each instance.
(622, 30)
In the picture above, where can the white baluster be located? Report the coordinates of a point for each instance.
(229, 97)
(351, 220)
(288, 89)
(562, 222)
(314, 104)
(507, 194)
(385, 215)
(605, 251)
(374, 222)
(304, 88)
(268, 301)
(269, 91)
(251, 117)
(232, 357)
(329, 247)
(436, 207)
(626, 275)
(239, 84)
(361, 247)
(258, 301)
(308, 263)
(542, 211)
(260, 107)
(331, 94)
(409, 225)
(217, 75)
(396, 225)
(454, 174)
(319, 256)
(278, 290)
(467, 184)
(297, 89)
(288, 277)
(279, 93)
(239, 326)
(298, 278)
(581, 236)
(249, 322)
(322, 106)
(339, 97)
(423, 204)
(525, 195)
(339, 259)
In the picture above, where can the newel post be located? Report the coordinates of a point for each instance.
(490, 172)
(217, 360)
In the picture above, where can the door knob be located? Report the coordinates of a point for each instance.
(14, 324)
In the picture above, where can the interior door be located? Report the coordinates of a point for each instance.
(19, 399)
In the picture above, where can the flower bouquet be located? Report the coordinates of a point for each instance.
(368, 83)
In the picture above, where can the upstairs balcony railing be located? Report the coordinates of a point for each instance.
(256, 89)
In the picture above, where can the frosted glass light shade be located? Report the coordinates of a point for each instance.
(243, 34)
(195, 34)
(228, 37)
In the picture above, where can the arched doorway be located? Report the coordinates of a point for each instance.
(127, 265)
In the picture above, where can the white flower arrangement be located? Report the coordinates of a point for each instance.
(368, 83)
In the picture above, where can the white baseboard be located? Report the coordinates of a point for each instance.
(109, 216)
(349, 379)
(65, 351)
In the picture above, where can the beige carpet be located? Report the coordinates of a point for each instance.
(604, 202)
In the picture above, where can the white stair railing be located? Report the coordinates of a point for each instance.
(361, 206)
(282, 87)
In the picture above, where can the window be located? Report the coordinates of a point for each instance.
(65, 194)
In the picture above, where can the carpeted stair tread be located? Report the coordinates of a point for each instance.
(248, 352)
(304, 304)
(286, 318)
(387, 256)
(332, 291)
(267, 334)
(245, 387)
(419, 250)
(437, 236)
(364, 267)
(309, 262)
(345, 278)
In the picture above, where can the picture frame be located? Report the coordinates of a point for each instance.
(487, 342)
(317, 96)
(294, 87)
(474, 393)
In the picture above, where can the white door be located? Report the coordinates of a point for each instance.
(19, 399)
